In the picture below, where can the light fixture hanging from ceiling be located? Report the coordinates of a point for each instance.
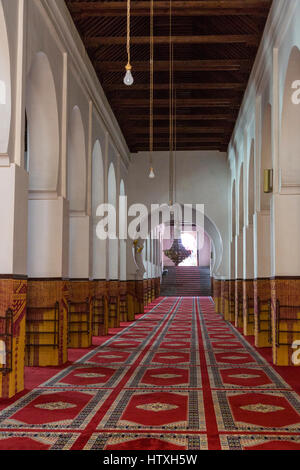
(151, 174)
(128, 79)
(177, 253)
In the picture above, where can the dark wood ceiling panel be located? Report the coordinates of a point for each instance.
(215, 44)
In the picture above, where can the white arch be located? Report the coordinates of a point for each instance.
(5, 85)
(122, 219)
(290, 135)
(232, 163)
(233, 228)
(208, 226)
(76, 162)
(43, 126)
(113, 251)
(251, 185)
(97, 177)
(99, 246)
(233, 209)
(45, 234)
(112, 186)
(241, 198)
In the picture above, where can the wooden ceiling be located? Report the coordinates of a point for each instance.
(215, 44)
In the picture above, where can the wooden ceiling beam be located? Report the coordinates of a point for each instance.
(206, 111)
(165, 148)
(184, 117)
(212, 140)
(242, 65)
(180, 130)
(178, 86)
(180, 103)
(180, 8)
(249, 39)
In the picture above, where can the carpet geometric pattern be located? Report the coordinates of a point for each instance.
(178, 378)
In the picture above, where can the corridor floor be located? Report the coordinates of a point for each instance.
(178, 378)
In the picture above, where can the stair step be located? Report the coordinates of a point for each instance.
(186, 282)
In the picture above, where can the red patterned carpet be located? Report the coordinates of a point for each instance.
(178, 378)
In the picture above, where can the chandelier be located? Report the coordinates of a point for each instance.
(177, 253)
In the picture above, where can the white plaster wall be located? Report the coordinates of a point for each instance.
(13, 245)
(262, 245)
(79, 266)
(47, 256)
(275, 238)
(41, 26)
(201, 178)
(248, 252)
(11, 12)
(286, 231)
(20, 215)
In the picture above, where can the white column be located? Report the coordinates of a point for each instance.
(123, 249)
(248, 270)
(262, 241)
(232, 260)
(285, 219)
(239, 256)
(47, 237)
(13, 210)
(79, 256)
(99, 253)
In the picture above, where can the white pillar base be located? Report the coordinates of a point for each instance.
(248, 253)
(262, 244)
(13, 210)
(79, 256)
(286, 235)
(48, 238)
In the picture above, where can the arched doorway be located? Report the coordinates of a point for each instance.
(47, 212)
(240, 251)
(193, 239)
(122, 220)
(233, 229)
(290, 135)
(77, 188)
(241, 199)
(248, 243)
(76, 163)
(251, 185)
(5, 85)
(43, 126)
(99, 246)
(189, 218)
(43, 168)
(113, 261)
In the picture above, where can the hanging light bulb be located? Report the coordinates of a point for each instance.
(151, 174)
(128, 79)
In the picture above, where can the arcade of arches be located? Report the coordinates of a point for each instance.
(72, 302)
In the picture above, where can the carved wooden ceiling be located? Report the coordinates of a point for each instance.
(215, 44)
